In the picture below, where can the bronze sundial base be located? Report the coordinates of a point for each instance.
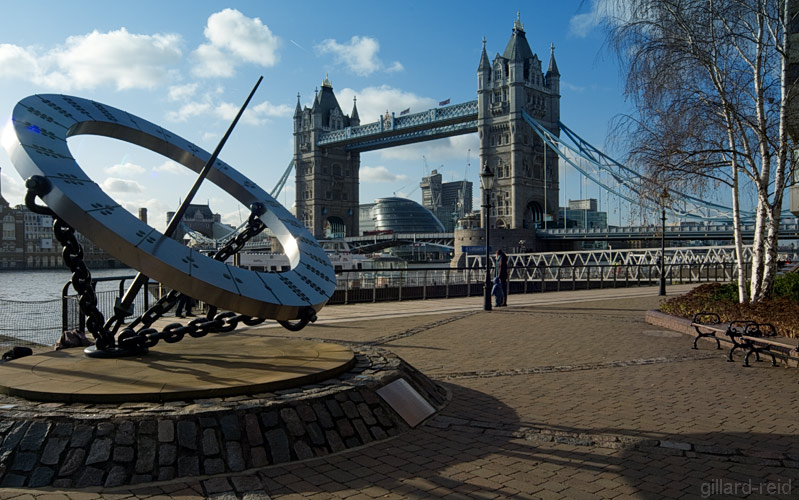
(214, 366)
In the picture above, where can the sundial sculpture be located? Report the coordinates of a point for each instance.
(36, 142)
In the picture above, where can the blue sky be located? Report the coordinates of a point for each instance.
(188, 66)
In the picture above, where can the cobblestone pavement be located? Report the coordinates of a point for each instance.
(559, 396)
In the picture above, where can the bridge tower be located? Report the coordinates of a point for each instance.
(526, 187)
(326, 178)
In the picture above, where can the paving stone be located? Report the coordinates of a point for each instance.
(213, 466)
(217, 485)
(323, 415)
(125, 434)
(145, 451)
(166, 474)
(234, 456)
(187, 435)
(292, 421)
(13, 481)
(253, 430)
(53, 449)
(166, 431)
(148, 427)
(105, 429)
(302, 450)
(230, 427)
(270, 419)
(208, 422)
(23, 462)
(315, 433)
(123, 454)
(188, 466)
(167, 454)
(243, 484)
(305, 412)
(81, 437)
(334, 441)
(14, 436)
(73, 462)
(363, 432)
(99, 452)
(117, 476)
(91, 476)
(366, 414)
(34, 436)
(258, 457)
(63, 429)
(345, 427)
(350, 410)
(334, 408)
(210, 443)
(42, 476)
(278, 443)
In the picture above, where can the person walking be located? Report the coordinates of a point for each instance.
(502, 274)
(184, 304)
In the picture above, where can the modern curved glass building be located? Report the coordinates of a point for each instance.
(402, 215)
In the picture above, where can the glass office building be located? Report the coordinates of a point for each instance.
(402, 215)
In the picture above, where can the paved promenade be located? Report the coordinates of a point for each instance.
(568, 395)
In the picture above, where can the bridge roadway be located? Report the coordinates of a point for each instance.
(714, 232)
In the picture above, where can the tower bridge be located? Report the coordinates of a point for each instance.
(328, 143)
(517, 118)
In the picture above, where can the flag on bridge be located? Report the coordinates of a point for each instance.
(405, 111)
(444, 103)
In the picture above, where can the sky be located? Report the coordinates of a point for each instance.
(189, 66)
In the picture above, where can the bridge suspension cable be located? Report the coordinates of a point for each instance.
(628, 184)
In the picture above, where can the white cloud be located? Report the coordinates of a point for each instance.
(118, 58)
(115, 185)
(359, 55)
(256, 115)
(602, 11)
(126, 169)
(182, 92)
(12, 188)
(17, 62)
(188, 110)
(448, 151)
(374, 101)
(235, 38)
(170, 167)
(379, 174)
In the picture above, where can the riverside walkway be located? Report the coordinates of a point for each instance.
(568, 395)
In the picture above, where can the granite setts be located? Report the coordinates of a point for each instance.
(94, 445)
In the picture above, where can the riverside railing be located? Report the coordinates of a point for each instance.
(38, 323)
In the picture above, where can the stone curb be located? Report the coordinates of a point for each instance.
(622, 442)
(94, 445)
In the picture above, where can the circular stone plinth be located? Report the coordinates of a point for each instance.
(212, 366)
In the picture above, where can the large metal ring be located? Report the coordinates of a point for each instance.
(36, 142)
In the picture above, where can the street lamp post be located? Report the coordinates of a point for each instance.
(487, 183)
(664, 198)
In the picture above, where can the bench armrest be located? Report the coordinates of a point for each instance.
(706, 318)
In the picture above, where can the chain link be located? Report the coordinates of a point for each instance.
(130, 338)
(145, 337)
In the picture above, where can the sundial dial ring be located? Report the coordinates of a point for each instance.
(36, 142)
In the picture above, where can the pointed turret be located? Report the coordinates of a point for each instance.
(355, 120)
(298, 109)
(553, 75)
(518, 49)
(484, 64)
(553, 66)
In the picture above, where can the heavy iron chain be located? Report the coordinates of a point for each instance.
(145, 337)
(73, 258)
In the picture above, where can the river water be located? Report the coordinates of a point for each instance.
(38, 285)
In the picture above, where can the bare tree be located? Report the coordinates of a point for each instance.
(709, 81)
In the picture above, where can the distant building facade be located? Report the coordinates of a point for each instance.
(448, 201)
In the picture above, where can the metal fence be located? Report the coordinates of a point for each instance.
(445, 282)
(39, 323)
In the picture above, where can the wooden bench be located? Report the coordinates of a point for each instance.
(749, 336)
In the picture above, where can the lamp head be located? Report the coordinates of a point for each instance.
(486, 177)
